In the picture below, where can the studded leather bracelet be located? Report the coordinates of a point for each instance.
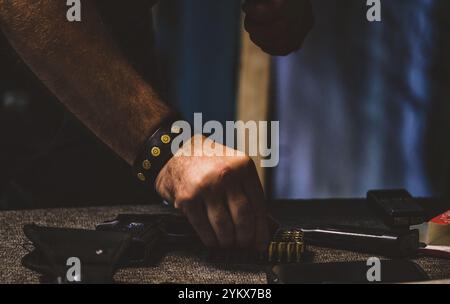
(156, 152)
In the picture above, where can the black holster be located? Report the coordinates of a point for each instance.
(99, 254)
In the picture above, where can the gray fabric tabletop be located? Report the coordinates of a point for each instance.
(176, 267)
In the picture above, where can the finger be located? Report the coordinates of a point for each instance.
(254, 191)
(264, 10)
(197, 216)
(220, 219)
(242, 216)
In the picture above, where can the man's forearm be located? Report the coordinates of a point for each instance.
(80, 63)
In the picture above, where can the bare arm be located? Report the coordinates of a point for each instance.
(80, 63)
(84, 68)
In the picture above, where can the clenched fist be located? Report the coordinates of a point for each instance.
(221, 195)
(278, 27)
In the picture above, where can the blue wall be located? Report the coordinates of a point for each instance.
(367, 102)
(198, 41)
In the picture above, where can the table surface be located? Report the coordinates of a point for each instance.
(176, 267)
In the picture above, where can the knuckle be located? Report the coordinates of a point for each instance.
(181, 205)
(186, 198)
(246, 162)
(200, 184)
(224, 230)
(244, 212)
(224, 174)
(222, 223)
(185, 201)
(242, 162)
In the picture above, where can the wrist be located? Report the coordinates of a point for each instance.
(156, 152)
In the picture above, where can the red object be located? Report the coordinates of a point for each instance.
(443, 219)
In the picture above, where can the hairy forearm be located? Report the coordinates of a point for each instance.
(80, 63)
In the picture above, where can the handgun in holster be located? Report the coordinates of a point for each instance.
(152, 235)
(98, 253)
(128, 240)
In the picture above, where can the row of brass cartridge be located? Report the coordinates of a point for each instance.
(287, 246)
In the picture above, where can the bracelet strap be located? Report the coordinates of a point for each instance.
(156, 152)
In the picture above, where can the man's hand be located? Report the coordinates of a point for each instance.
(221, 195)
(278, 27)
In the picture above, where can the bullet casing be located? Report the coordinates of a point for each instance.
(287, 247)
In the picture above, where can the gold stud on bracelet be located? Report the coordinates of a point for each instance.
(166, 139)
(156, 151)
(146, 164)
(141, 177)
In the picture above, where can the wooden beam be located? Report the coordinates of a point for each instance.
(253, 102)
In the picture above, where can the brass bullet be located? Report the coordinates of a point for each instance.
(287, 246)
(290, 252)
(141, 177)
(271, 251)
(286, 236)
(298, 235)
(146, 164)
(156, 151)
(281, 251)
(298, 251)
(165, 139)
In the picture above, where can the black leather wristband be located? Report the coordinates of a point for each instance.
(156, 152)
